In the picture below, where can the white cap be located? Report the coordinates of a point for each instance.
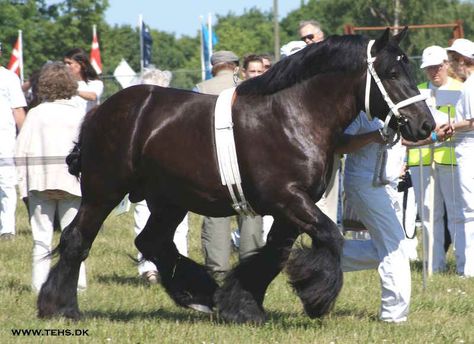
(433, 56)
(291, 47)
(463, 46)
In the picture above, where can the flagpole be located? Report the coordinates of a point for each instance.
(209, 30)
(140, 27)
(203, 65)
(20, 44)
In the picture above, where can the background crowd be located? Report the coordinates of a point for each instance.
(439, 168)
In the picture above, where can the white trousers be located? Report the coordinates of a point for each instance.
(410, 223)
(446, 194)
(465, 232)
(42, 211)
(7, 208)
(141, 215)
(381, 213)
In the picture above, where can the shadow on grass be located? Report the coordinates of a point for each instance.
(120, 280)
(417, 266)
(16, 287)
(170, 315)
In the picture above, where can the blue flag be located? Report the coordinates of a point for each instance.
(206, 50)
(147, 42)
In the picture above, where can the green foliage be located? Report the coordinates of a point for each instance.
(251, 32)
(50, 29)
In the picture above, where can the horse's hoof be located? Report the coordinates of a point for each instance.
(237, 305)
(252, 315)
(200, 308)
(67, 313)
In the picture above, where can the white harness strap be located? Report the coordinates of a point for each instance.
(226, 153)
(371, 73)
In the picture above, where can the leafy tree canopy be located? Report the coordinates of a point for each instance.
(49, 30)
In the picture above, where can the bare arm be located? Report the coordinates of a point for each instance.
(443, 132)
(465, 125)
(19, 115)
(352, 143)
(87, 95)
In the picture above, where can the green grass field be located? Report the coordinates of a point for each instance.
(119, 308)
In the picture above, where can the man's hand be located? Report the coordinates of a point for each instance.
(444, 131)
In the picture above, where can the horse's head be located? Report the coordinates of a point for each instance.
(391, 92)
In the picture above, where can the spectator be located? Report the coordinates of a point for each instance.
(146, 269)
(291, 47)
(90, 87)
(47, 137)
(267, 61)
(225, 65)
(435, 64)
(252, 66)
(310, 31)
(463, 64)
(216, 232)
(12, 115)
(379, 211)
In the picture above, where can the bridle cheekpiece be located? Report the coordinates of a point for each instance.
(371, 73)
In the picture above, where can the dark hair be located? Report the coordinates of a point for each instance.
(251, 58)
(80, 56)
(56, 82)
(347, 54)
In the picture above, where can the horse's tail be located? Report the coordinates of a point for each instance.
(315, 272)
(73, 160)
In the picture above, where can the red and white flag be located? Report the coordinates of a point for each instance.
(16, 60)
(95, 52)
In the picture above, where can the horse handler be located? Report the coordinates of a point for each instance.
(371, 189)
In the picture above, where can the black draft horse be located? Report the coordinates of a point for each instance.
(158, 144)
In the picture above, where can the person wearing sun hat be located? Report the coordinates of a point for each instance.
(216, 232)
(436, 65)
(224, 70)
(462, 62)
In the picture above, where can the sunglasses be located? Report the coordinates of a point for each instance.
(310, 37)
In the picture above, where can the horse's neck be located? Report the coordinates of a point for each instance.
(333, 100)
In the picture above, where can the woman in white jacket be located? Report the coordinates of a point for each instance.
(46, 138)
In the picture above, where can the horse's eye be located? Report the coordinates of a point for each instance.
(393, 75)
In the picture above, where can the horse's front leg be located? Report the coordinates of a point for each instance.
(240, 299)
(315, 272)
(58, 295)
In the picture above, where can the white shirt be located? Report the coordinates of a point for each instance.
(46, 138)
(465, 111)
(362, 163)
(96, 86)
(11, 97)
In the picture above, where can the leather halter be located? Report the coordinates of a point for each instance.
(371, 73)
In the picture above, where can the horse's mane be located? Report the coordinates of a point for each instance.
(336, 53)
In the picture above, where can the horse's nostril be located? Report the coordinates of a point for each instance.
(428, 126)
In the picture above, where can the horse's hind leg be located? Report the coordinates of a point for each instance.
(240, 299)
(187, 282)
(58, 295)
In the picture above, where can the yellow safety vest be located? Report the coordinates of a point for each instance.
(442, 155)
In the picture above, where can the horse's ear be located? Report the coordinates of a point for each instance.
(382, 41)
(401, 35)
